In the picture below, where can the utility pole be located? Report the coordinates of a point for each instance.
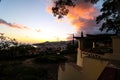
(73, 43)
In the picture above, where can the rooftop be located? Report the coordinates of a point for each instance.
(97, 37)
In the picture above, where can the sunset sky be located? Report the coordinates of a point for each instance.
(31, 21)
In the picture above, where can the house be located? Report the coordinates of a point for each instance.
(97, 54)
(51, 46)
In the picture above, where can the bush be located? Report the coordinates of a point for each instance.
(53, 58)
(23, 73)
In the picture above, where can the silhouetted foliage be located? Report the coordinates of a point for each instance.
(71, 48)
(6, 42)
(19, 72)
(10, 49)
(110, 13)
(110, 16)
(61, 7)
(50, 58)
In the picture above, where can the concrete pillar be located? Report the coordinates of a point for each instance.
(93, 44)
(79, 58)
(79, 54)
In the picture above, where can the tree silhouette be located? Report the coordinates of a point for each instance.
(60, 9)
(110, 16)
(6, 42)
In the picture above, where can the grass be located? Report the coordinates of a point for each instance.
(23, 73)
(15, 70)
(18, 71)
(54, 58)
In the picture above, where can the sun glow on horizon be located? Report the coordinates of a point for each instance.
(32, 36)
(32, 23)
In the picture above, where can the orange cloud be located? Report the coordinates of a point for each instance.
(49, 9)
(69, 37)
(17, 26)
(38, 30)
(13, 25)
(82, 16)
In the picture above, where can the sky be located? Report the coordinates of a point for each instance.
(31, 21)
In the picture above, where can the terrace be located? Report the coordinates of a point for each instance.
(99, 46)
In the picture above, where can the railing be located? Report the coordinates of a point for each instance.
(90, 54)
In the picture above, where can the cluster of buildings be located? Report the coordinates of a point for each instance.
(51, 47)
(98, 57)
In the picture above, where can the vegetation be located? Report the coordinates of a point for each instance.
(13, 55)
(44, 67)
(12, 62)
(110, 16)
(110, 13)
(10, 49)
(50, 58)
(21, 72)
(71, 51)
(6, 42)
(60, 9)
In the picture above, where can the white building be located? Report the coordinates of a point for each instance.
(96, 52)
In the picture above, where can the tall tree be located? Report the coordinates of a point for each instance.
(110, 16)
(110, 13)
(6, 42)
(60, 9)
